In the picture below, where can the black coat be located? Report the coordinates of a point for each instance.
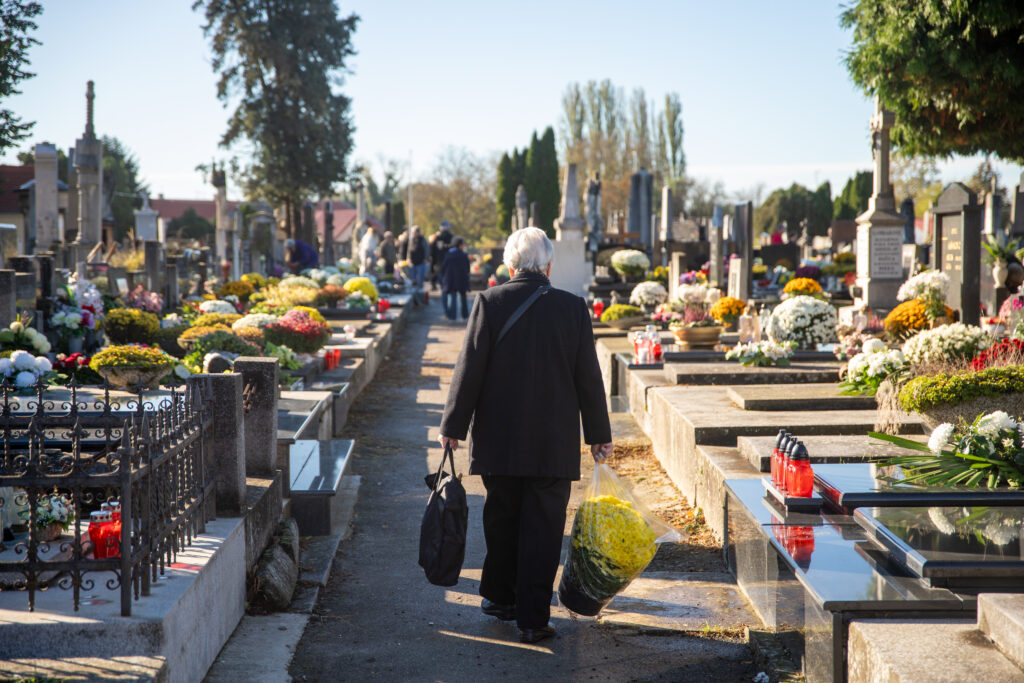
(455, 271)
(523, 401)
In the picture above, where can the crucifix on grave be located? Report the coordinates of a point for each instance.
(880, 228)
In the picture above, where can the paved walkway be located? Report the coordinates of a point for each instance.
(379, 619)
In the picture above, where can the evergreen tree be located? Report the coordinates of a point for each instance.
(506, 193)
(121, 168)
(518, 169)
(853, 200)
(398, 219)
(533, 161)
(542, 175)
(279, 63)
(16, 21)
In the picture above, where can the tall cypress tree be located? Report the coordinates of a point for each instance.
(518, 169)
(547, 193)
(533, 162)
(506, 193)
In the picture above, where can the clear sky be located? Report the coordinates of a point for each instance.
(766, 97)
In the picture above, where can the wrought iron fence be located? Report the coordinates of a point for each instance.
(147, 450)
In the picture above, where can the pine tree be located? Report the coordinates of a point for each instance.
(547, 192)
(853, 200)
(531, 175)
(506, 192)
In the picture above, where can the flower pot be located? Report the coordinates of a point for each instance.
(968, 410)
(938, 321)
(697, 337)
(50, 532)
(626, 323)
(131, 376)
(75, 344)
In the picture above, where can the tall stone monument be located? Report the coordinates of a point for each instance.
(521, 217)
(47, 217)
(221, 223)
(1017, 210)
(743, 247)
(641, 205)
(880, 228)
(595, 224)
(569, 270)
(88, 168)
(957, 248)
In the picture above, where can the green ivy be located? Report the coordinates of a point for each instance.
(922, 393)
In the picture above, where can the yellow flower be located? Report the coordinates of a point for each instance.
(909, 318)
(727, 309)
(615, 535)
(802, 285)
(364, 285)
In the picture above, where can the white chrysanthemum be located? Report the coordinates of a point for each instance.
(992, 424)
(946, 342)
(648, 294)
(181, 372)
(873, 345)
(630, 259)
(43, 365)
(259, 320)
(217, 307)
(1001, 532)
(23, 360)
(6, 366)
(692, 294)
(940, 437)
(931, 284)
(713, 295)
(337, 279)
(299, 281)
(805, 320)
(25, 379)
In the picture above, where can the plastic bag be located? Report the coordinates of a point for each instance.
(613, 539)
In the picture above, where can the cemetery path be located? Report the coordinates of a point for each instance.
(379, 619)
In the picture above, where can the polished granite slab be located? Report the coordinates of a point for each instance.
(819, 396)
(677, 354)
(724, 372)
(962, 545)
(317, 466)
(849, 486)
(853, 448)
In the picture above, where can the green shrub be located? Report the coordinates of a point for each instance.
(167, 339)
(224, 341)
(922, 393)
(619, 311)
(130, 326)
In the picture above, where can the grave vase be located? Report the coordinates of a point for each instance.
(75, 344)
(999, 273)
(50, 532)
(939, 321)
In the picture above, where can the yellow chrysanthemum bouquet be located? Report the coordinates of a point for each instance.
(614, 538)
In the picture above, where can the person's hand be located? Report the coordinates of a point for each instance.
(600, 451)
(448, 441)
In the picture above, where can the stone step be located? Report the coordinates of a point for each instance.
(1001, 618)
(824, 396)
(126, 668)
(757, 450)
(730, 373)
(910, 651)
(316, 479)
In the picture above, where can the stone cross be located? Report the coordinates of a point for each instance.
(89, 165)
(881, 123)
(145, 222)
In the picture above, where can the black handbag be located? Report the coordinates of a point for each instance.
(443, 529)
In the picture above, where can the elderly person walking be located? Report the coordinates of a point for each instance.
(524, 398)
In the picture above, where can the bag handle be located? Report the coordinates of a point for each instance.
(447, 456)
(523, 307)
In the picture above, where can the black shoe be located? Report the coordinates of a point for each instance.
(496, 609)
(535, 635)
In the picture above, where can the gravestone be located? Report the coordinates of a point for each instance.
(171, 294)
(220, 202)
(1017, 210)
(641, 199)
(993, 222)
(957, 246)
(907, 211)
(117, 280)
(47, 218)
(787, 255)
(569, 270)
(327, 258)
(743, 244)
(8, 298)
(154, 253)
(739, 279)
(522, 215)
(88, 168)
(145, 222)
(534, 215)
(665, 229)
(880, 228)
(716, 262)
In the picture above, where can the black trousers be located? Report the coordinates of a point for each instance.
(524, 521)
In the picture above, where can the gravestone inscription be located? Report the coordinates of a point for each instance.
(957, 248)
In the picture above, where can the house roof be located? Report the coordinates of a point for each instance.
(174, 208)
(343, 220)
(11, 178)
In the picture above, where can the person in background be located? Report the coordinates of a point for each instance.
(440, 243)
(367, 250)
(300, 256)
(418, 257)
(455, 279)
(524, 400)
(388, 253)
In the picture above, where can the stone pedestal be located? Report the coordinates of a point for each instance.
(739, 278)
(88, 166)
(226, 458)
(569, 269)
(260, 377)
(47, 219)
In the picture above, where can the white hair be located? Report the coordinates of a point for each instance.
(528, 250)
(289, 243)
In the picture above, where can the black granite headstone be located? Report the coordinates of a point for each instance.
(957, 248)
